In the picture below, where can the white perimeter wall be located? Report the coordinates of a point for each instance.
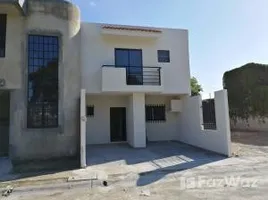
(191, 118)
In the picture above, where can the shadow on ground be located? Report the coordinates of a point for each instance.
(35, 168)
(151, 163)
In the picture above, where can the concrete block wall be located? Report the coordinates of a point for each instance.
(63, 20)
(192, 132)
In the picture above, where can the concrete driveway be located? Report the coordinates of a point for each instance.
(168, 157)
(162, 172)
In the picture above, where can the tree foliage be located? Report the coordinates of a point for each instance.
(195, 87)
(248, 91)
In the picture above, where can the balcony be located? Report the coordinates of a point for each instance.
(131, 79)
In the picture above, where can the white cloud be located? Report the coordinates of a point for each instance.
(92, 3)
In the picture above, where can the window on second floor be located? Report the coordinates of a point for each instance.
(43, 86)
(3, 24)
(163, 56)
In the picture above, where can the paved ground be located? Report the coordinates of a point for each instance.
(116, 159)
(158, 175)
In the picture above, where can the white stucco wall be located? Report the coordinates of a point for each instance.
(114, 80)
(98, 126)
(190, 121)
(160, 131)
(137, 120)
(98, 50)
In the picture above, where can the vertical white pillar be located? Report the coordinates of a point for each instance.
(83, 120)
(136, 121)
(222, 119)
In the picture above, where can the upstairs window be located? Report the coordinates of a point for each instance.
(155, 113)
(3, 24)
(43, 86)
(163, 56)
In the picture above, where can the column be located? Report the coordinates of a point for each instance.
(136, 121)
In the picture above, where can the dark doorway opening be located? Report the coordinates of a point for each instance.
(118, 124)
(4, 122)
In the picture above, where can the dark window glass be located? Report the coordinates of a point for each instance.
(163, 56)
(42, 82)
(131, 59)
(155, 113)
(3, 24)
(90, 111)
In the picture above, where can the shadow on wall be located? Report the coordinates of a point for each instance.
(152, 163)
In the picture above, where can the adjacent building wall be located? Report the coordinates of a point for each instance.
(49, 18)
(190, 128)
(98, 50)
(11, 64)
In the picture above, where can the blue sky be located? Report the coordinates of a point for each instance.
(223, 34)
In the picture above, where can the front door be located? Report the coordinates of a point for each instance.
(131, 59)
(118, 124)
(4, 122)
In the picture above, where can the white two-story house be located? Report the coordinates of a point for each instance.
(132, 75)
(65, 84)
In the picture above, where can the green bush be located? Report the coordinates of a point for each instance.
(248, 91)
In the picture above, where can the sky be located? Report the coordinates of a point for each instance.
(223, 34)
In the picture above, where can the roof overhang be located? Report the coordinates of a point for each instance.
(117, 30)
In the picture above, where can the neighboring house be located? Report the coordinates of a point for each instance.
(135, 81)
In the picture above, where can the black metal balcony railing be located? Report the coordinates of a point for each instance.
(141, 75)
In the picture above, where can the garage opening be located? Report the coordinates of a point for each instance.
(4, 122)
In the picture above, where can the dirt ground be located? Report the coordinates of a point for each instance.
(243, 176)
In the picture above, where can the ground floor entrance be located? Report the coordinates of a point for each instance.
(140, 118)
(4, 122)
(118, 127)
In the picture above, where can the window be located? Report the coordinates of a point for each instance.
(163, 56)
(155, 113)
(90, 111)
(131, 59)
(43, 59)
(3, 24)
